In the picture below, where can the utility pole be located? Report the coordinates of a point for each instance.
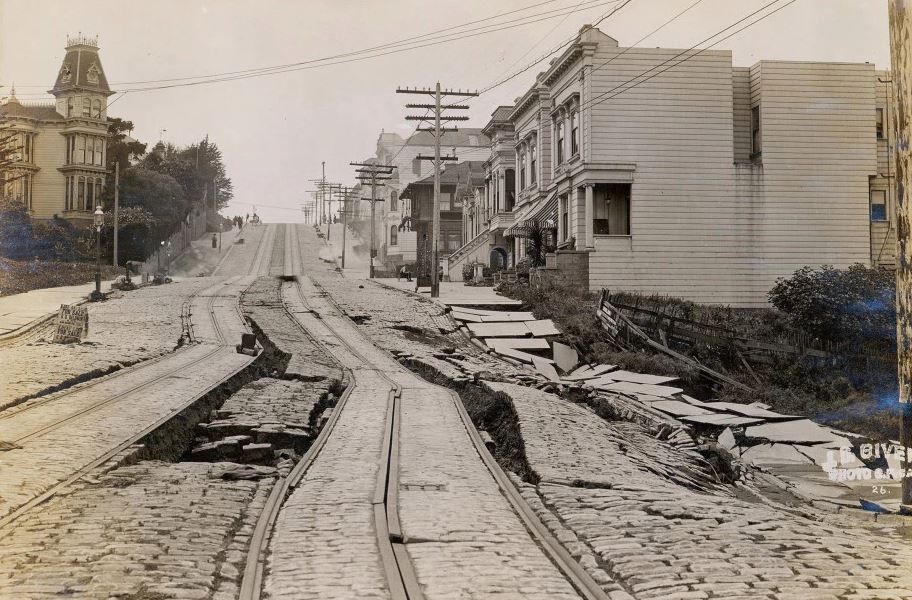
(116, 206)
(345, 193)
(373, 174)
(438, 117)
(215, 207)
(901, 59)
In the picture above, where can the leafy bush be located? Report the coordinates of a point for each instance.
(468, 271)
(853, 306)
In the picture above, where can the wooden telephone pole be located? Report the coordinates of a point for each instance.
(437, 116)
(116, 208)
(344, 196)
(373, 175)
(901, 63)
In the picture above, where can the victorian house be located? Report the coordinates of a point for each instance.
(62, 144)
(397, 236)
(691, 178)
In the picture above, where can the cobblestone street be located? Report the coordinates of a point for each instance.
(395, 492)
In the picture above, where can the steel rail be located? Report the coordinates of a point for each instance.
(13, 516)
(575, 574)
(122, 394)
(37, 402)
(23, 509)
(400, 574)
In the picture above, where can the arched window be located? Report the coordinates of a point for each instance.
(394, 236)
(86, 107)
(96, 109)
(71, 106)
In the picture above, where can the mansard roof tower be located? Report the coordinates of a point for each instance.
(81, 86)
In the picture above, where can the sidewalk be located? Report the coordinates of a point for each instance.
(19, 310)
(455, 292)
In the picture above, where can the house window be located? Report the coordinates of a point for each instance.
(99, 151)
(446, 199)
(71, 106)
(880, 123)
(80, 192)
(416, 166)
(90, 193)
(86, 107)
(522, 169)
(80, 157)
(574, 133)
(560, 141)
(67, 193)
(393, 198)
(564, 218)
(611, 209)
(25, 140)
(533, 153)
(756, 146)
(394, 235)
(96, 109)
(878, 205)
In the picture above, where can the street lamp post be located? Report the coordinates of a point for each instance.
(96, 295)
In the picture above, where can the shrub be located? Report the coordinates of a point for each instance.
(468, 271)
(853, 306)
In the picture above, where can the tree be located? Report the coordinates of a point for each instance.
(122, 148)
(538, 241)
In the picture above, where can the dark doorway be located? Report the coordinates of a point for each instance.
(498, 259)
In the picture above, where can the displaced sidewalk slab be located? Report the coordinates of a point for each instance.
(660, 538)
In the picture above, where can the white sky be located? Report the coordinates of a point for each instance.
(274, 131)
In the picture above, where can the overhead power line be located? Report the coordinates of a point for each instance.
(613, 92)
(367, 54)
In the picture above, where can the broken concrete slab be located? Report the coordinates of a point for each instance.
(801, 431)
(542, 328)
(486, 330)
(545, 367)
(692, 400)
(773, 454)
(518, 343)
(641, 378)
(727, 439)
(747, 410)
(507, 317)
(467, 317)
(565, 357)
(628, 387)
(589, 372)
(721, 420)
(515, 354)
(826, 457)
(677, 408)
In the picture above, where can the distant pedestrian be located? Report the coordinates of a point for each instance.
(247, 218)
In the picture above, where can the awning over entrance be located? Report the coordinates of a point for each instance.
(545, 211)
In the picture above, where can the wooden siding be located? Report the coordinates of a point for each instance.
(706, 229)
(48, 184)
(678, 129)
(819, 150)
(741, 104)
(883, 234)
